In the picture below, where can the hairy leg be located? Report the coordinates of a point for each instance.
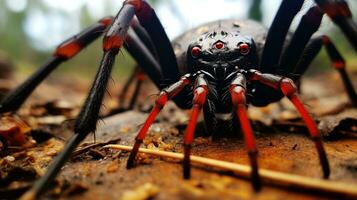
(87, 119)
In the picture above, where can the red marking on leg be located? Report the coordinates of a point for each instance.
(68, 49)
(337, 60)
(136, 3)
(112, 42)
(159, 104)
(288, 87)
(140, 76)
(145, 12)
(311, 125)
(185, 80)
(326, 40)
(339, 64)
(107, 21)
(246, 128)
(238, 101)
(191, 127)
(250, 144)
(337, 9)
(199, 100)
(200, 95)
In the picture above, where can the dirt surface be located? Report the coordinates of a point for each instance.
(97, 173)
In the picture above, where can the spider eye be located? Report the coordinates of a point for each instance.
(244, 48)
(219, 45)
(195, 52)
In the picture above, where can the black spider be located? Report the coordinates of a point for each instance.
(222, 66)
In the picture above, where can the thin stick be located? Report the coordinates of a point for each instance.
(80, 150)
(268, 176)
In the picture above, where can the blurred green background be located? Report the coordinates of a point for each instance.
(31, 29)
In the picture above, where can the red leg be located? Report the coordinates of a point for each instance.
(237, 90)
(288, 87)
(160, 102)
(199, 100)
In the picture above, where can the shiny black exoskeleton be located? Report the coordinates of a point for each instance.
(220, 49)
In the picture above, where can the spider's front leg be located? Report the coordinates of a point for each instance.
(288, 88)
(88, 116)
(199, 100)
(164, 96)
(200, 94)
(238, 96)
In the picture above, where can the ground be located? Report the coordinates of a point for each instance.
(95, 172)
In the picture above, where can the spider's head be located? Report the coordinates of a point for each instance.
(220, 52)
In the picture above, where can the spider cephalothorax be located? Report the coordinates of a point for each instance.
(240, 62)
(221, 52)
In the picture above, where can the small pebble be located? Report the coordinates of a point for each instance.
(10, 158)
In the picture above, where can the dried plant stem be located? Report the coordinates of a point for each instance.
(268, 176)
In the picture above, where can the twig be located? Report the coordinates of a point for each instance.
(268, 176)
(81, 150)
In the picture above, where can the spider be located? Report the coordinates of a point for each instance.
(219, 67)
